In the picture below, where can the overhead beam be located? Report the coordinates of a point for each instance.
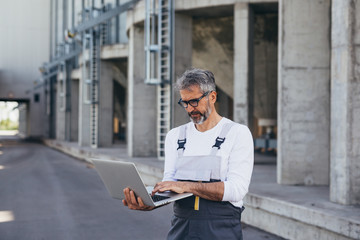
(103, 17)
(89, 25)
(63, 58)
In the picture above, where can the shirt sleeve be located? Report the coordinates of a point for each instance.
(240, 166)
(170, 155)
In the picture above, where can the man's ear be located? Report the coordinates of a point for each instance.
(213, 96)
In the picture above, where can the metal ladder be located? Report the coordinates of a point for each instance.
(94, 68)
(158, 54)
(92, 41)
(62, 87)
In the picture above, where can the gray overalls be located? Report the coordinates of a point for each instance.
(197, 218)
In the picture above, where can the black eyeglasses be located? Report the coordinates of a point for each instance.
(192, 102)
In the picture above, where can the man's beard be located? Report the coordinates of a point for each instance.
(199, 118)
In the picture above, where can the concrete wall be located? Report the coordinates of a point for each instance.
(304, 94)
(142, 100)
(182, 60)
(24, 46)
(345, 102)
(213, 42)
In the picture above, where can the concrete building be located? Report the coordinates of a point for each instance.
(287, 69)
(24, 46)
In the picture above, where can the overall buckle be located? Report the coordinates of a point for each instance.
(218, 142)
(181, 144)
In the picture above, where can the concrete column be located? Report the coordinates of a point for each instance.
(84, 114)
(241, 62)
(106, 98)
(22, 119)
(60, 108)
(182, 61)
(304, 94)
(74, 133)
(141, 129)
(345, 102)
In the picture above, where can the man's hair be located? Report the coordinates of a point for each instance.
(204, 79)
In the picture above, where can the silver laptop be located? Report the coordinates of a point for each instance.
(118, 175)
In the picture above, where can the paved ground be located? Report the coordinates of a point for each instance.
(45, 194)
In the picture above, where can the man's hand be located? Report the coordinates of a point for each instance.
(133, 202)
(211, 191)
(178, 187)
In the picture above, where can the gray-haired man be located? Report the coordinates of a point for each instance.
(211, 157)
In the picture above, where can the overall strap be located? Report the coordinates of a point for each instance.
(182, 140)
(221, 138)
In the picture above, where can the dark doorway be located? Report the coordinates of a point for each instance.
(263, 76)
(119, 119)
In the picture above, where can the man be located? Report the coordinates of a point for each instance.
(211, 157)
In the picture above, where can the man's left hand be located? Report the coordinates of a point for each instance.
(178, 187)
(211, 191)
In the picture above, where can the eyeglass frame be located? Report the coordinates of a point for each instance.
(197, 100)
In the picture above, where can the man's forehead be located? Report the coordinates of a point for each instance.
(190, 94)
(193, 89)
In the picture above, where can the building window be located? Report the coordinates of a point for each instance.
(36, 97)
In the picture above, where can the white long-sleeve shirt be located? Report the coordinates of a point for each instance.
(237, 156)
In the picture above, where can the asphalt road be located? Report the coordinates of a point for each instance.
(45, 194)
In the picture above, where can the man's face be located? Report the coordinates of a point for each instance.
(202, 111)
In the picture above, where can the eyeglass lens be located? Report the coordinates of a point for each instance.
(192, 102)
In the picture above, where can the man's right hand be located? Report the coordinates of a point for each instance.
(133, 202)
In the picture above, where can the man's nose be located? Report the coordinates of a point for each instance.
(189, 108)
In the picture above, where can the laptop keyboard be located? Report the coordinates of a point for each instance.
(157, 198)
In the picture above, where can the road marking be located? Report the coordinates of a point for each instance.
(6, 216)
